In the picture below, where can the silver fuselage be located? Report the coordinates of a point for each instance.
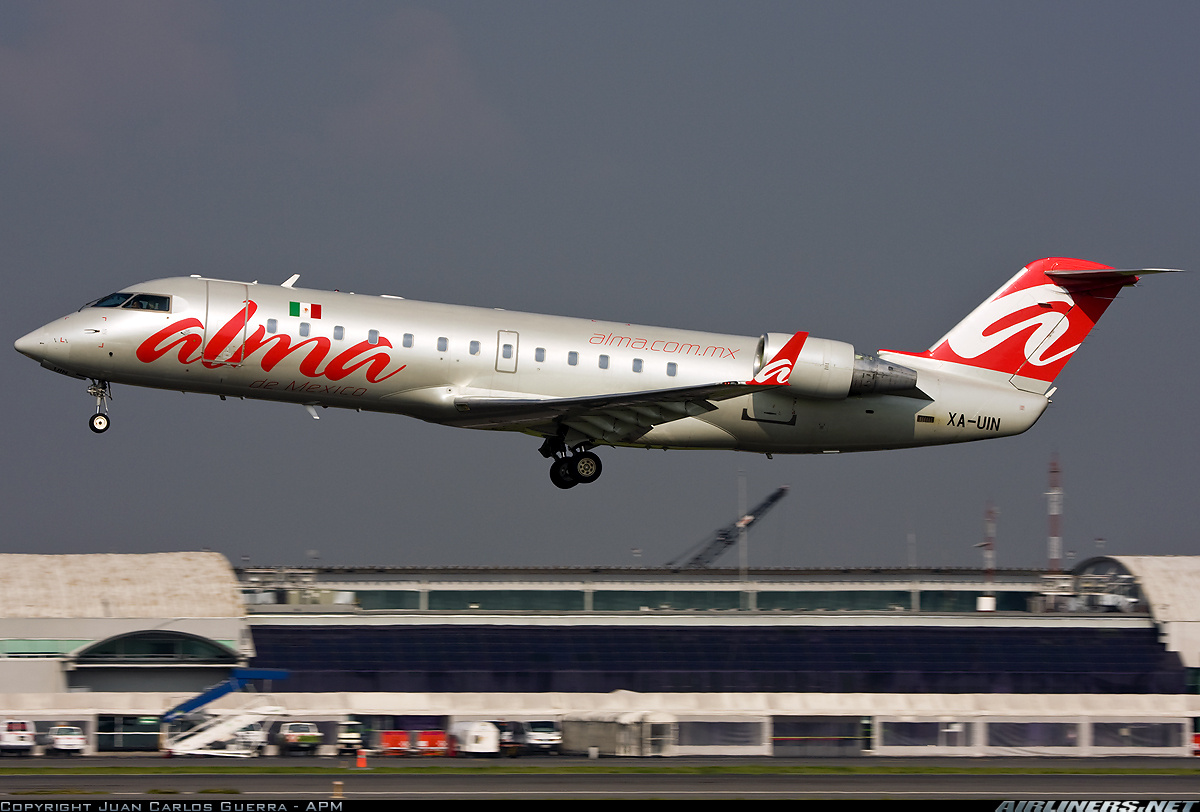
(387, 354)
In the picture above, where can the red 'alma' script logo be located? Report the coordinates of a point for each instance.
(373, 359)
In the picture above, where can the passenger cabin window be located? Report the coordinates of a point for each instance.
(408, 339)
(339, 333)
(372, 336)
(539, 354)
(572, 358)
(304, 326)
(272, 325)
(148, 301)
(474, 348)
(671, 369)
(604, 362)
(637, 364)
(443, 343)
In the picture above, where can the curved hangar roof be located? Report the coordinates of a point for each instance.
(134, 586)
(1169, 583)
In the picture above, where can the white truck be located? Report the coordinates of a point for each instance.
(66, 740)
(298, 737)
(471, 738)
(17, 736)
(543, 736)
(349, 737)
(523, 738)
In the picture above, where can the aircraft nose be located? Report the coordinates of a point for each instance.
(32, 344)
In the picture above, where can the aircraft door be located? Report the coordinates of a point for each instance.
(225, 322)
(506, 351)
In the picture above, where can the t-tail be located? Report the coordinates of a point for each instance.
(1028, 329)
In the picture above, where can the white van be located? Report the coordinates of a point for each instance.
(475, 739)
(17, 736)
(66, 740)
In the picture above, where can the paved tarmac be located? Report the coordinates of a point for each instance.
(233, 786)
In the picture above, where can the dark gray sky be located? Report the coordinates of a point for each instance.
(866, 171)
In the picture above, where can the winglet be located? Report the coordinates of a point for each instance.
(777, 371)
(291, 280)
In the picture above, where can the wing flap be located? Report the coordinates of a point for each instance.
(614, 418)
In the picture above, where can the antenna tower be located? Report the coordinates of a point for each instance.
(1054, 506)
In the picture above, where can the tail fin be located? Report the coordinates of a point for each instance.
(1029, 328)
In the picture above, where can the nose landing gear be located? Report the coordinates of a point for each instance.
(99, 421)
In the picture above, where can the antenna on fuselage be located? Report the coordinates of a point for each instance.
(291, 280)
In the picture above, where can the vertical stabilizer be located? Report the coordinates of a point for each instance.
(1031, 326)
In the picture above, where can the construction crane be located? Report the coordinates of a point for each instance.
(709, 550)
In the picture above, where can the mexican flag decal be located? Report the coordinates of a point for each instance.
(305, 310)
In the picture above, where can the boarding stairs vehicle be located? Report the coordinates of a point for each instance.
(235, 733)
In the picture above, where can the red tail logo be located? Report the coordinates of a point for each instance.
(1033, 324)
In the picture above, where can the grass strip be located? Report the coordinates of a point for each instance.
(611, 768)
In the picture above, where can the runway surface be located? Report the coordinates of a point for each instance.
(709, 779)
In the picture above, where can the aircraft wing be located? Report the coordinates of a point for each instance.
(618, 418)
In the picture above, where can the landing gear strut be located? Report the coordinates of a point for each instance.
(100, 391)
(570, 468)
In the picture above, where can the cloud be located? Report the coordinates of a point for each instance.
(87, 74)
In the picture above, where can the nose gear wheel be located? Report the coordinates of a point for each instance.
(102, 393)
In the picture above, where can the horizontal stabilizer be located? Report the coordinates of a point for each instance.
(1075, 280)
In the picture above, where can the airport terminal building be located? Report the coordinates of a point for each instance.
(1100, 661)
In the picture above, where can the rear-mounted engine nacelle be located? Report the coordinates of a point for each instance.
(873, 377)
(831, 370)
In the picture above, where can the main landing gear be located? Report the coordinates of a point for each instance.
(567, 472)
(99, 421)
(571, 468)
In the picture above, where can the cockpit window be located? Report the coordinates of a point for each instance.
(111, 300)
(148, 301)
